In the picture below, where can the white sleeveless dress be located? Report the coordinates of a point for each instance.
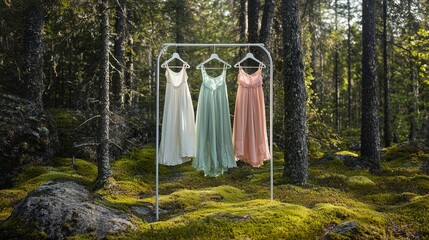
(178, 121)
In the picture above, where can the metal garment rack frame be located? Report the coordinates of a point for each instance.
(164, 49)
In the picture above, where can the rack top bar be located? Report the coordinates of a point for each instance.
(213, 44)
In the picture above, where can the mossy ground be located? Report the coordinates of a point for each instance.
(391, 205)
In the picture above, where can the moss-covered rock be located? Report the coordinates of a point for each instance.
(61, 209)
(28, 136)
(361, 183)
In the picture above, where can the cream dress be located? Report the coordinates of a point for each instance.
(178, 121)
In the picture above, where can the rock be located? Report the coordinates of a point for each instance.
(27, 136)
(346, 228)
(348, 160)
(57, 210)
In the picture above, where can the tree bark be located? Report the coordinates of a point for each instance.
(387, 126)
(129, 73)
(181, 16)
(370, 136)
(412, 106)
(253, 20)
(32, 76)
(242, 20)
(349, 68)
(336, 80)
(264, 32)
(413, 89)
(295, 151)
(337, 92)
(118, 78)
(104, 171)
(267, 17)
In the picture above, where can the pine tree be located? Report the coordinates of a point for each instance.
(370, 137)
(295, 151)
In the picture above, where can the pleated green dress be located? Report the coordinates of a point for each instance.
(214, 150)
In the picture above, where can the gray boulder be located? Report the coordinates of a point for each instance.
(57, 210)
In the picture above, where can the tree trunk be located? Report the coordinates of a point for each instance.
(413, 90)
(32, 76)
(313, 43)
(387, 126)
(337, 85)
(253, 20)
(267, 17)
(264, 32)
(295, 152)
(242, 20)
(337, 92)
(412, 106)
(118, 78)
(180, 23)
(370, 136)
(129, 73)
(349, 68)
(104, 171)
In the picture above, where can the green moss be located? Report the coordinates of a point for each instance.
(8, 199)
(404, 156)
(386, 199)
(349, 153)
(418, 184)
(415, 213)
(53, 175)
(311, 195)
(360, 182)
(327, 179)
(232, 206)
(139, 163)
(256, 219)
(81, 167)
(88, 236)
(185, 199)
(124, 193)
(333, 165)
(10, 196)
(30, 172)
(24, 230)
(252, 219)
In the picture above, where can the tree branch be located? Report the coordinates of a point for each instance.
(96, 116)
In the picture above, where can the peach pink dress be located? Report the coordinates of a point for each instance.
(249, 132)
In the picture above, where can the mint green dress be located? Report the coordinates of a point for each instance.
(214, 150)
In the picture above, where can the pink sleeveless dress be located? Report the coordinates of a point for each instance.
(250, 132)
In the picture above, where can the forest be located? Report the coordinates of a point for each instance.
(83, 146)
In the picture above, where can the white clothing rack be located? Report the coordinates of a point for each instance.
(166, 46)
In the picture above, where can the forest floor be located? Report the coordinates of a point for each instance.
(393, 204)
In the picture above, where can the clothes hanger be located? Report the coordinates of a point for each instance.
(215, 57)
(250, 56)
(175, 56)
